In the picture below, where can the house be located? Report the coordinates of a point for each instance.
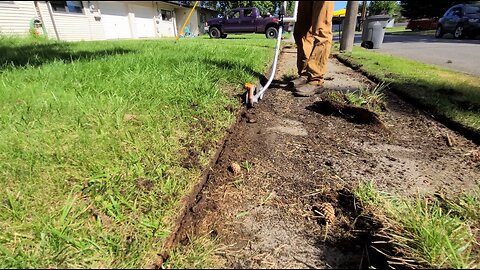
(100, 20)
(199, 18)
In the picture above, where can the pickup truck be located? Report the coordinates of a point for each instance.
(243, 20)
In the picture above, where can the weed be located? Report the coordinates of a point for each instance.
(268, 198)
(238, 183)
(242, 214)
(289, 75)
(372, 99)
(247, 166)
(425, 230)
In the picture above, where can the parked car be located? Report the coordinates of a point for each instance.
(243, 20)
(462, 20)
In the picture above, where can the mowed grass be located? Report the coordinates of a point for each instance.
(434, 231)
(452, 95)
(94, 138)
(395, 29)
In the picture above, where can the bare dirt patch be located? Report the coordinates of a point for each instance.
(294, 158)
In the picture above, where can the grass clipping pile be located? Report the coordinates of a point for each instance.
(362, 106)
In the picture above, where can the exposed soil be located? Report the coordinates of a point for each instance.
(294, 158)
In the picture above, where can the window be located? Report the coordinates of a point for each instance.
(448, 13)
(203, 17)
(166, 15)
(248, 13)
(67, 6)
(472, 9)
(234, 14)
(457, 11)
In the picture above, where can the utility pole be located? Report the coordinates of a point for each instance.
(364, 14)
(350, 21)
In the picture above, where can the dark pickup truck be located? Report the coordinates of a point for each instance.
(243, 20)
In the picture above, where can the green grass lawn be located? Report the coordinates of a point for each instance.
(452, 95)
(95, 139)
(403, 31)
(396, 29)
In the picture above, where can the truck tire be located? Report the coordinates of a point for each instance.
(214, 32)
(271, 32)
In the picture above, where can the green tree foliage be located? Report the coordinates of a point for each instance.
(413, 9)
(383, 7)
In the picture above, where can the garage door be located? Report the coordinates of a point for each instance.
(115, 20)
(144, 23)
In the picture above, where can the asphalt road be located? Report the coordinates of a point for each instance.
(460, 55)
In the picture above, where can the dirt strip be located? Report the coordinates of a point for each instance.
(294, 156)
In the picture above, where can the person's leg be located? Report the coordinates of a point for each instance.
(302, 35)
(321, 30)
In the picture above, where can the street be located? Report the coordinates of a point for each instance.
(461, 55)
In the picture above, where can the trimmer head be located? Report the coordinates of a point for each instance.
(251, 96)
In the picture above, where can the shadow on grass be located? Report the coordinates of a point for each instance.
(229, 65)
(15, 56)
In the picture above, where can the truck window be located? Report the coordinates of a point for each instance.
(248, 13)
(234, 14)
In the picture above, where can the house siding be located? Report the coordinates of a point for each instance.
(165, 28)
(195, 24)
(15, 17)
(131, 9)
(71, 27)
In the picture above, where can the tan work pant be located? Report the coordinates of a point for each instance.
(313, 36)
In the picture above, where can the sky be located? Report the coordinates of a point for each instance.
(340, 5)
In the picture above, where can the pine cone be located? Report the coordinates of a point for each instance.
(235, 168)
(476, 156)
(328, 212)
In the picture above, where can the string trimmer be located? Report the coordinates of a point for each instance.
(255, 92)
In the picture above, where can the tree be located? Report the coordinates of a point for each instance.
(350, 21)
(383, 8)
(426, 8)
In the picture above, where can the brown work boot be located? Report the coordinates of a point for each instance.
(298, 82)
(308, 90)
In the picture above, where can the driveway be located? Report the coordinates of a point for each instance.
(460, 55)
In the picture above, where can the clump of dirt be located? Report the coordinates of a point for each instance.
(299, 159)
(191, 159)
(145, 184)
(355, 229)
(355, 114)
